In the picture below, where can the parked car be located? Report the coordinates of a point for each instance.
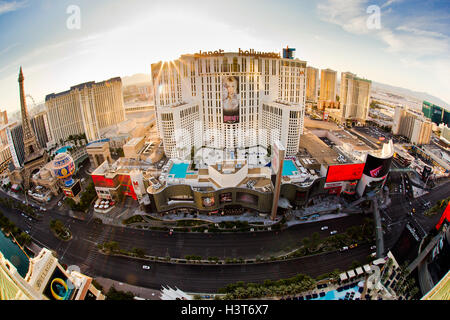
(171, 232)
(146, 267)
(343, 249)
(373, 247)
(324, 228)
(333, 232)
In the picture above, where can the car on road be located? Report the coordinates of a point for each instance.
(27, 232)
(343, 249)
(333, 232)
(324, 228)
(373, 247)
(146, 267)
(353, 246)
(171, 232)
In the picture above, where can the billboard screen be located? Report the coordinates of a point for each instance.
(208, 202)
(230, 99)
(59, 286)
(345, 172)
(226, 197)
(445, 217)
(247, 198)
(377, 167)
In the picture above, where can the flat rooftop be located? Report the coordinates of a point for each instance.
(318, 149)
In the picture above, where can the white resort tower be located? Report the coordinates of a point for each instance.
(229, 102)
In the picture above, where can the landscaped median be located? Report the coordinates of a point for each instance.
(60, 230)
(198, 225)
(354, 236)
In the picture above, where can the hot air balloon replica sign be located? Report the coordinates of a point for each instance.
(64, 169)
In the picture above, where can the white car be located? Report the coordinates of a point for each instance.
(373, 247)
(146, 267)
(324, 228)
(333, 232)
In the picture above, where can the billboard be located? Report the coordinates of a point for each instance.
(230, 99)
(345, 172)
(247, 198)
(226, 197)
(59, 287)
(208, 202)
(278, 153)
(377, 167)
(445, 217)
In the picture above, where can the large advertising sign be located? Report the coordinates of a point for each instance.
(230, 99)
(59, 286)
(345, 172)
(278, 152)
(137, 180)
(226, 197)
(377, 167)
(208, 202)
(247, 198)
(445, 217)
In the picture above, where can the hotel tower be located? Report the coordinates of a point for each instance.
(231, 102)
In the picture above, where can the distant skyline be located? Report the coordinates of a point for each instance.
(122, 38)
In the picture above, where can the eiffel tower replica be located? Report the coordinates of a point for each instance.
(35, 156)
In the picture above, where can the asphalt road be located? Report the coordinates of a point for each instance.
(82, 250)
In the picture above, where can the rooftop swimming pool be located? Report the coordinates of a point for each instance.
(351, 293)
(62, 150)
(179, 170)
(289, 168)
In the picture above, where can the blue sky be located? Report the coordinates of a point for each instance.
(121, 38)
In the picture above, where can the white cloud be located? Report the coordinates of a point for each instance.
(6, 6)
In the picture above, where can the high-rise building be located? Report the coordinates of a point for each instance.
(445, 134)
(412, 125)
(446, 118)
(229, 102)
(354, 98)
(435, 113)
(15, 141)
(46, 280)
(5, 152)
(41, 128)
(312, 84)
(87, 108)
(328, 89)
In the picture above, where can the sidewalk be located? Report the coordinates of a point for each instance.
(145, 293)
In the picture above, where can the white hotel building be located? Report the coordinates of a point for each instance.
(229, 102)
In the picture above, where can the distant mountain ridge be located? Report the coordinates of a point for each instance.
(420, 96)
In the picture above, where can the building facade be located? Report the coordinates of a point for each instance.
(412, 125)
(328, 89)
(312, 84)
(41, 128)
(86, 109)
(229, 102)
(354, 98)
(14, 134)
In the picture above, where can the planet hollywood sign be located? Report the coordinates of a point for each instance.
(251, 53)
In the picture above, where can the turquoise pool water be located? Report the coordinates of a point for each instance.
(289, 168)
(12, 252)
(179, 170)
(62, 150)
(335, 295)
